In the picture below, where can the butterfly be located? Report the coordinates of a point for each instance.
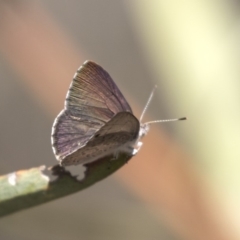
(96, 121)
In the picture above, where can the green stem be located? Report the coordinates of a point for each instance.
(28, 188)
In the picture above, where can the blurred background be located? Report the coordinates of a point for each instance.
(185, 181)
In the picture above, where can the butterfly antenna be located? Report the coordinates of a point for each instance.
(166, 120)
(147, 104)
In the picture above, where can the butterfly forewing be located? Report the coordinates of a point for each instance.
(93, 87)
(120, 133)
(92, 100)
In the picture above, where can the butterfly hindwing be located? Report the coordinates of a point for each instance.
(116, 135)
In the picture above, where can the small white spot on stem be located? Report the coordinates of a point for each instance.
(12, 177)
(44, 176)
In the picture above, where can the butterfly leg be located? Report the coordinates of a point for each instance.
(128, 150)
(135, 150)
(115, 155)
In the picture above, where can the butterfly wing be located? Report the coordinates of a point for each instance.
(92, 100)
(115, 136)
(93, 90)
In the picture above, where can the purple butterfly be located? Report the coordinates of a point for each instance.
(97, 120)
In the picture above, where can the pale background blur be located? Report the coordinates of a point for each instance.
(185, 181)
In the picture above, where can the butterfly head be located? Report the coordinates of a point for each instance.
(144, 128)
